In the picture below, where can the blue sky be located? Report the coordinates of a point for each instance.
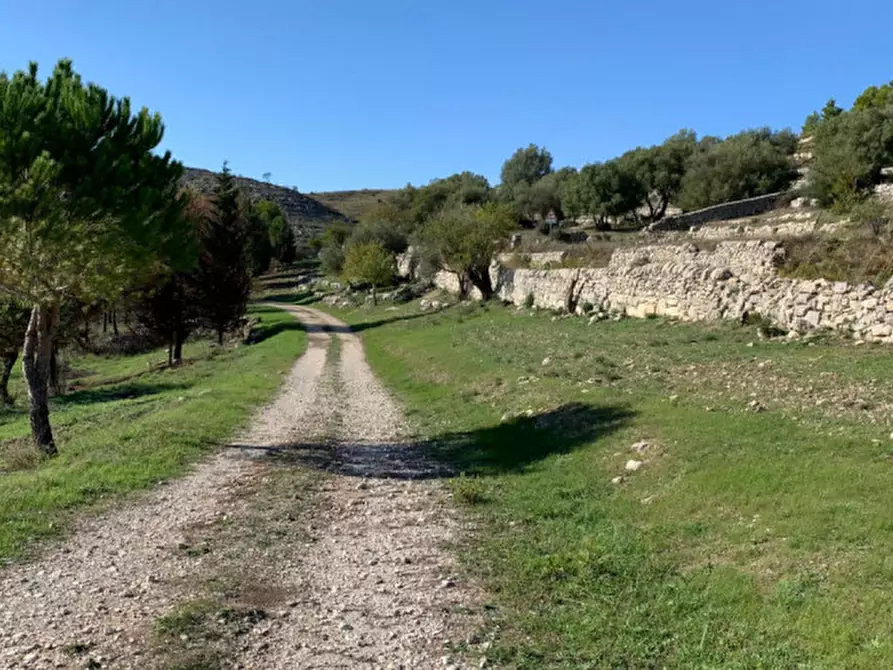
(339, 94)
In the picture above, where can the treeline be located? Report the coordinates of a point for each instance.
(92, 220)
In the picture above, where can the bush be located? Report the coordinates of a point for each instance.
(331, 260)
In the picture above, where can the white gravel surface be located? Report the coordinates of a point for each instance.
(361, 577)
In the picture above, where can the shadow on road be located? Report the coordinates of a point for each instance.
(513, 446)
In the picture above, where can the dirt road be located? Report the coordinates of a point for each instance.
(318, 540)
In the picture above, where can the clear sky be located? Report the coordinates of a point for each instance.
(342, 94)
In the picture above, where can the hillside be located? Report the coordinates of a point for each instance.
(352, 204)
(307, 215)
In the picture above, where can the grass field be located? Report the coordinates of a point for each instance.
(131, 423)
(352, 204)
(757, 532)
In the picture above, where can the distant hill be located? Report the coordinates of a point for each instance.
(307, 215)
(352, 204)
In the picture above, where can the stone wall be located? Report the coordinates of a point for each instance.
(534, 259)
(737, 209)
(686, 283)
(785, 224)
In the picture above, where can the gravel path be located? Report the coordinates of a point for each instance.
(349, 569)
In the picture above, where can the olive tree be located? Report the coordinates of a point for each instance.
(464, 239)
(85, 207)
(751, 163)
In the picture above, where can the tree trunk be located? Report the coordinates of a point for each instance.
(115, 322)
(54, 384)
(9, 361)
(105, 322)
(572, 296)
(220, 333)
(374, 296)
(36, 355)
(481, 280)
(179, 337)
(463, 284)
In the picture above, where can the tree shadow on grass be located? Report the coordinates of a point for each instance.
(360, 327)
(513, 446)
(113, 393)
(266, 331)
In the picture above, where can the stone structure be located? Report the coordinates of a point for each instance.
(684, 282)
(737, 209)
(786, 224)
(534, 259)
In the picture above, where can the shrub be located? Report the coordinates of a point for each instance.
(468, 490)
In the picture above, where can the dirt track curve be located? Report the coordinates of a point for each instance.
(352, 571)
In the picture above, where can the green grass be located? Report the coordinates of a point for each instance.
(133, 424)
(754, 536)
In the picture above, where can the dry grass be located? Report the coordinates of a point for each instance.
(18, 454)
(860, 257)
(353, 204)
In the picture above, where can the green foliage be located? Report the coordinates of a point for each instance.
(874, 97)
(660, 169)
(369, 262)
(751, 163)
(606, 191)
(85, 203)
(331, 260)
(86, 207)
(279, 231)
(526, 166)
(464, 239)
(849, 150)
(13, 320)
(222, 276)
(535, 201)
(258, 244)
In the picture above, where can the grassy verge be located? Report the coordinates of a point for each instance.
(755, 531)
(132, 424)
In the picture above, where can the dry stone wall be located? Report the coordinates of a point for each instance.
(738, 209)
(687, 283)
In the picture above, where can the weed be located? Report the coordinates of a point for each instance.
(469, 490)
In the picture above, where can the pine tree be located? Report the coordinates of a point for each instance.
(86, 206)
(224, 281)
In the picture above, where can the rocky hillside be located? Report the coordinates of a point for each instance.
(307, 215)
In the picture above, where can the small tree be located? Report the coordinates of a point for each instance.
(259, 246)
(371, 263)
(86, 206)
(224, 282)
(463, 240)
(660, 169)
